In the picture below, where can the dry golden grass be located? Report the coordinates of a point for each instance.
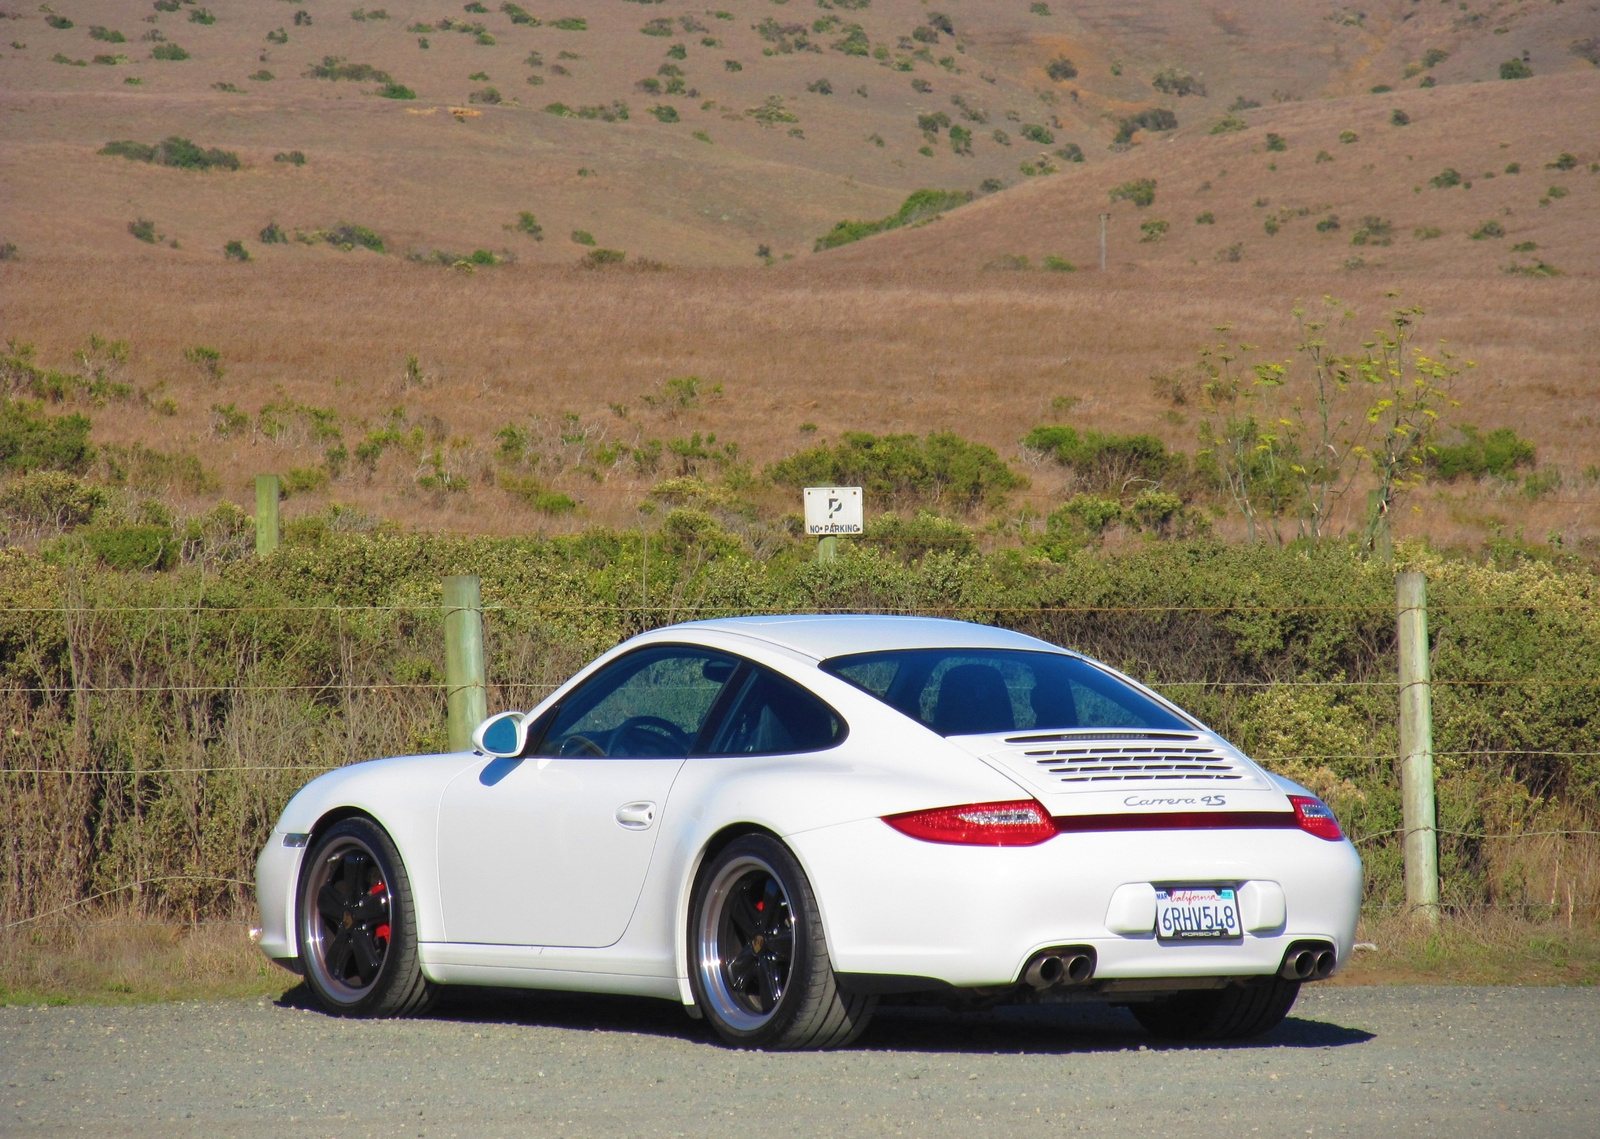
(1478, 949)
(120, 959)
(856, 348)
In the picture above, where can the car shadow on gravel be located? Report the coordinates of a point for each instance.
(1052, 1029)
(1087, 1027)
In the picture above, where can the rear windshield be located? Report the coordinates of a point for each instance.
(959, 692)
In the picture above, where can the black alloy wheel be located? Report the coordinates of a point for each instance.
(759, 963)
(356, 924)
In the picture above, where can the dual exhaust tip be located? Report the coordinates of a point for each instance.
(1069, 965)
(1308, 961)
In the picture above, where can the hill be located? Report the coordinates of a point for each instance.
(758, 124)
(369, 317)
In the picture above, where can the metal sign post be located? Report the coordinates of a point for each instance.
(830, 512)
(1103, 219)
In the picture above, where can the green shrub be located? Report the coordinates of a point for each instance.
(305, 480)
(170, 52)
(923, 205)
(1556, 192)
(1141, 192)
(1071, 152)
(263, 76)
(1014, 262)
(571, 24)
(132, 548)
(1515, 69)
(1446, 178)
(1541, 483)
(176, 152)
(1399, 118)
(1104, 460)
(51, 498)
(488, 95)
(665, 113)
(529, 224)
(127, 148)
(208, 360)
(1152, 230)
(392, 90)
(292, 157)
(582, 237)
(1229, 123)
(1205, 218)
(346, 236)
(1488, 229)
(1373, 230)
(1061, 69)
(106, 35)
(1499, 453)
(1053, 264)
(1177, 82)
(1035, 133)
(896, 469)
(235, 251)
(278, 37)
(922, 534)
(227, 421)
(1524, 247)
(853, 42)
(1427, 232)
(201, 16)
(30, 440)
(598, 258)
(144, 229)
(1276, 142)
(335, 67)
(1155, 119)
(1380, 89)
(1349, 136)
(272, 234)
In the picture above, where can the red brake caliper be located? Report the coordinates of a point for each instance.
(382, 932)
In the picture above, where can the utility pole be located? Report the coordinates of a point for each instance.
(1418, 811)
(1103, 219)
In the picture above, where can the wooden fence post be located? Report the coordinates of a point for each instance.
(266, 514)
(465, 678)
(1418, 811)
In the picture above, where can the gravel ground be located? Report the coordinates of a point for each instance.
(1370, 1061)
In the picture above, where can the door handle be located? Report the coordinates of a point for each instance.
(640, 816)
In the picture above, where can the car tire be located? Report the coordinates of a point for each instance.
(356, 922)
(758, 960)
(1237, 1013)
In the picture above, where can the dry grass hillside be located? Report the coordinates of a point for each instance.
(921, 329)
(803, 132)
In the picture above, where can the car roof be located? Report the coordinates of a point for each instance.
(823, 635)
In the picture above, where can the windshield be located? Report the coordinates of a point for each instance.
(959, 692)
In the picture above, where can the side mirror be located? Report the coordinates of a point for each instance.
(503, 735)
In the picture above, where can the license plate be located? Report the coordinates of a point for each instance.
(1200, 913)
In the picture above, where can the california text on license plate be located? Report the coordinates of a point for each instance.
(1197, 913)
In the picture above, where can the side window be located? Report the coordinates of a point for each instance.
(773, 715)
(649, 704)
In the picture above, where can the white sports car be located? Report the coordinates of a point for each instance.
(779, 821)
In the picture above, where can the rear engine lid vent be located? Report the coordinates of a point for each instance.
(1103, 761)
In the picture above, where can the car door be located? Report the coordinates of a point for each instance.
(552, 849)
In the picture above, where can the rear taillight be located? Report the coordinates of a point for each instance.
(1315, 817)
(1021, 822)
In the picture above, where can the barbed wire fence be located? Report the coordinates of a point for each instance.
(84, 691)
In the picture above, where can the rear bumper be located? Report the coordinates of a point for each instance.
(973, 916)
